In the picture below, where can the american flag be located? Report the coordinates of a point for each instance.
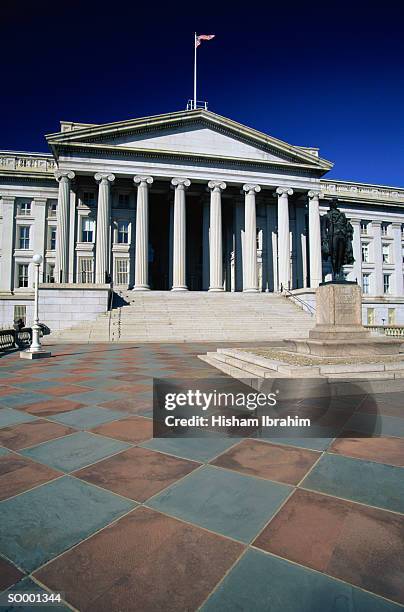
(201, 37)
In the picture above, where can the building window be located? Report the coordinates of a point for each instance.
(391, 316)
(50, 273)
(52, 239)
(24, 209)
(386, 283)
(22, 272)
(366, 283)
(23, 241)
(386, 253)
(121, 271)
(365, 252)
(52, 209)
(370, 316)
(85, 270)
(87, 230)
(20, 312)
(88, 198)
(123, 232)
(385, 229)
(364, 227)
(123, 200)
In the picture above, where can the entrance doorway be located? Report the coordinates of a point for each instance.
(159, 223)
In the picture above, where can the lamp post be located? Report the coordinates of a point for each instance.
(35, 351)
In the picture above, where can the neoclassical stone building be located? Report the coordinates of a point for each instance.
(186, 201)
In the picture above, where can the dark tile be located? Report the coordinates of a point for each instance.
(8, 574)
(40, 524)
(20, 400)
(145, 561)
(95, 397)
(34, 432)
(132, 429)
(137, 473)
(348, 541)
(232, 504)
(281, 463)
(17, 474)
(355, 479)
(261, 582)
(75, 451)
(381, 450)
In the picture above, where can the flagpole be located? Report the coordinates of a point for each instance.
(195, 71)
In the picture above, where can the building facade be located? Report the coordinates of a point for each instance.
(186, 201)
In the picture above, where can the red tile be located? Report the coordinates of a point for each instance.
(5, 390)
(129, 404)
(18, 474)
(361, 545)
(378, 449)
(53, 406)
(137, 473)
(133, 429)
(29, 434)
(66, 390)
(9, 574)
(275, 462)
(145, 561)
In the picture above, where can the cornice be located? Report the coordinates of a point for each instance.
(363, 192)
(187, 156)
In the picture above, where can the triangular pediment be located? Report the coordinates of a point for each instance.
(194, 133)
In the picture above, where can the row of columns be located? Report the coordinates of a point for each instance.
(180, 185)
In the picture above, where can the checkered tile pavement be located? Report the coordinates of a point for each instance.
(94, 507)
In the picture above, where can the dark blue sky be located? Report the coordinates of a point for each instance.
(315, 74)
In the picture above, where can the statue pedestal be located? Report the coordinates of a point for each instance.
(339, 331)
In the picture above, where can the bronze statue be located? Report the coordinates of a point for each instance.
(336, 240)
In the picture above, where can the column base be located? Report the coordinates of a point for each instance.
(141, 288)
(251, 290)
(215, 289)
(180, 288)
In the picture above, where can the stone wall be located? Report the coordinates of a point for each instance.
(63, 306)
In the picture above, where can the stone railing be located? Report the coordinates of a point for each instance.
(395, 331)
(26, 162)
(13, 339)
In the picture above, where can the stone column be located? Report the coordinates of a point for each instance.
(63, 219)
(377, 256)
(102, 249)
(179, 235)
(7, 244)
(142, 233)
(283, 237)
(316, 269)
(357, 251)
(250, 239)
(397, 258)
(215, 236)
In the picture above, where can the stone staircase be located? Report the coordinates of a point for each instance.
(164, 316)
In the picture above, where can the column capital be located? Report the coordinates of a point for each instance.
(250, 188)
(139, 179)
(100, 177)
(60, 174)
(396, 224)
(217, 185)
(282, 191)
(315, 194)
(355, 222)
(180, 182)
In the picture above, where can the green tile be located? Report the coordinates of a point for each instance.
(74, 451)
(370, 483)
(38, 525)
(261, 582)
(226, 502)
